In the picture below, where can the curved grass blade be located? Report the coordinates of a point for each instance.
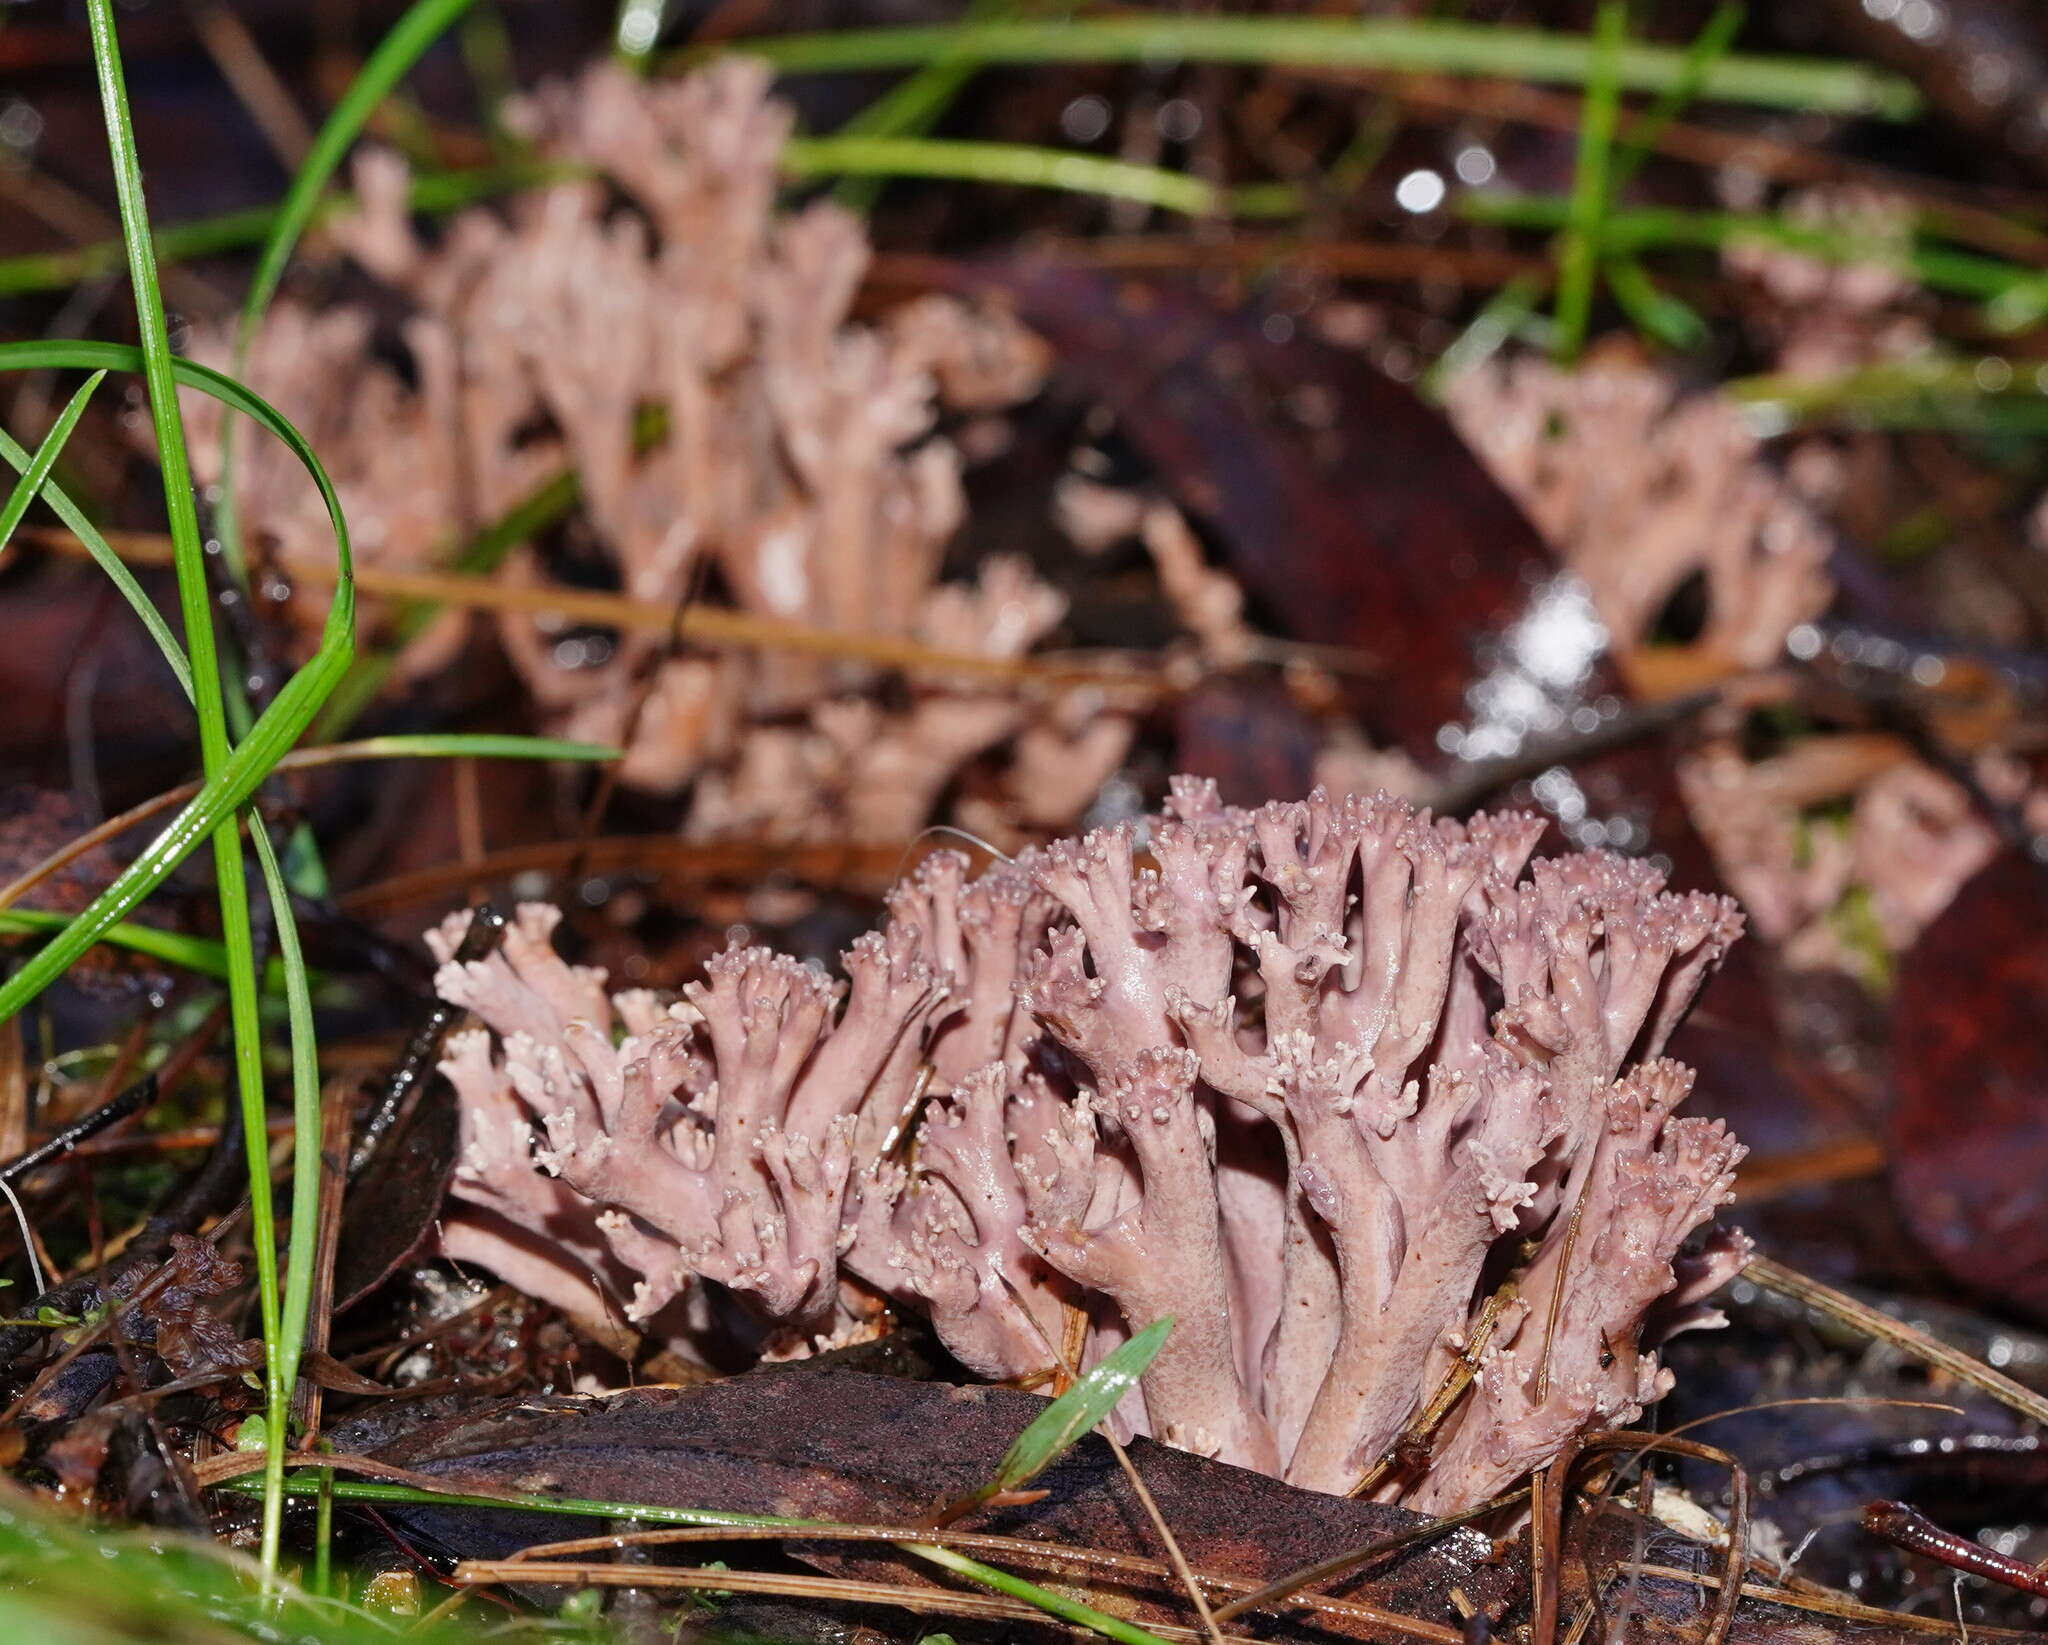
(217, 748)
(424, 23)
(1075, 1414)
(231, 777)
(45, 459)
(200, 954)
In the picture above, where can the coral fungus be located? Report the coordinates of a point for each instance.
(1339, 1087)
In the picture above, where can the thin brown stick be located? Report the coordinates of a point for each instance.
(1564, 1267)
(931, 1601)
(705, 625)
(1023, 1550)
(228, 1465)
(1860, 1316)
(469, 820)
(249, 75)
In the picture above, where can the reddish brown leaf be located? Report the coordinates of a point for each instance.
(1970, 1133)
(1343, 501)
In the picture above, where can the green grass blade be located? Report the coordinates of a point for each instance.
(45, 459)
(200, 954)
(1018, 164)
(56, 354)
(1054, 1431)
(1505, 314)
(912, 106)
(452, 745)
(1046, 1599)
(424, 23)
(1963, 395)
(1579, 260)
(297, 1303)
(1671, 321)
(1818, 85)
(1708, 47)
(208, 700)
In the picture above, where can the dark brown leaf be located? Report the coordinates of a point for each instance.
(845, 1446)
(391, 1207)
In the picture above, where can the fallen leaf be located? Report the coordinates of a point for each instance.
(1970, 1046)
(841, 1445)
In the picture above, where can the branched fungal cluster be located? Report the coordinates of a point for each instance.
(1370, 1104)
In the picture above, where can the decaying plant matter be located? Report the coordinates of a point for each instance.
(795, 470)
(1317, 1080)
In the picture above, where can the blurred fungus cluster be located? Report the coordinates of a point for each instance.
(1711, 567)
(689, 351)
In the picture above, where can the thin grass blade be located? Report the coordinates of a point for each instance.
(45, 459)
(307, 1177)
(1021, 165)
(1579, 259)
(198, 954)
(1388, 45)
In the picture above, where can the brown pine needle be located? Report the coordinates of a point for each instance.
(1022, 1550)
(1825, 1604)
(716, 627)
(932, 1601)
(1457, 1379)
(1880, 1326)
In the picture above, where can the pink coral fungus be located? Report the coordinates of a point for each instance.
(1356, 1096)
